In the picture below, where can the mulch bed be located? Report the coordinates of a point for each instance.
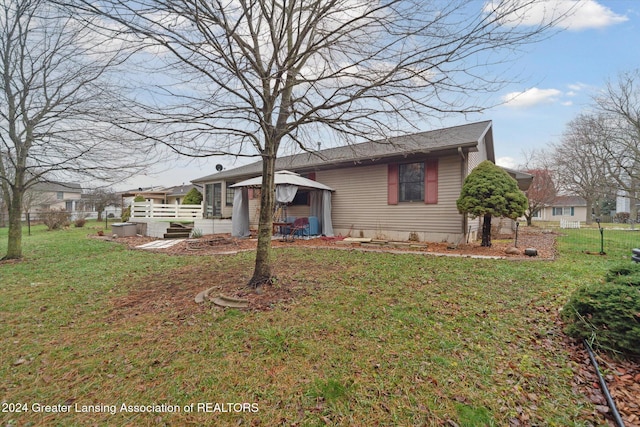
(542, 241)
(177, 289)
(622, 378)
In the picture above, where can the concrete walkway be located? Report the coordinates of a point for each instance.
(160, 244)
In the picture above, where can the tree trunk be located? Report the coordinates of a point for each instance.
(589, 207)
(262, 272)
(486, 231)
(14, 246)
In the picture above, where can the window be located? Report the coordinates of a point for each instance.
(212, 197)
(563, 211)
(411, 182)
(301, 198)
(60, 195)
(230, 193)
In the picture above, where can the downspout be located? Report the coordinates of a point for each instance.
(463, 174)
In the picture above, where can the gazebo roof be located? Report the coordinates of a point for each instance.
(285, 178)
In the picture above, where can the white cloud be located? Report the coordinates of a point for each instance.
(507, 162)
(531, 97)
(576, 14)
(590, 14)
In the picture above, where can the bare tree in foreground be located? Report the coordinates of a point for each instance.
(264, 74)
(56, 104)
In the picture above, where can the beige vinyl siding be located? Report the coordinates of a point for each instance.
(360, 204)
(226, 210)
(477, 157)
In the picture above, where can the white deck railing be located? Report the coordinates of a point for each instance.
(166, 211)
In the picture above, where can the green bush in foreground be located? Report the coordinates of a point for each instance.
(624, 274)
(608, 313)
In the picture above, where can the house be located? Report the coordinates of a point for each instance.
(160, 195)
(150, 194)
(53, 195)
(175, 195)
(396, 188)
(566, 207)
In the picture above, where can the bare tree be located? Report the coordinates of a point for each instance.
(266, 74)
(100, 198)
(541, 193)
(581, 162)
(33, 198)
(619, 128)
(57, 105)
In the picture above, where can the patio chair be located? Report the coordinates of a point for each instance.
(300, 228)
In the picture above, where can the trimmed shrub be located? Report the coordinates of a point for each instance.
(126, 213)
(193, 197)
(608, 313)
(55, 219)
(80, 222)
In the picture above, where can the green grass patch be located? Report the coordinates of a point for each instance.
(376, 339)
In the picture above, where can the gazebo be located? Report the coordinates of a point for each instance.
(287, 184)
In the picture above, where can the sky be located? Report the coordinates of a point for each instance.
(557, 79)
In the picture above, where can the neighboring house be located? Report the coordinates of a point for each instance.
(150, 194)
(160, 195)
(570, 208)
(53, 195)
(391, 189)
(175, 195)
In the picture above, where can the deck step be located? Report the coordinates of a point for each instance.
(177, 235)
(177, 231)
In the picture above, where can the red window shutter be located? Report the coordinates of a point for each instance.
(311, 176)
(431, 181)
(392, 184)
(250, 193)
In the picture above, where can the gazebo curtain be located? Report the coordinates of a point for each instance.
(320, 207)
(286, 193)
(240, 213)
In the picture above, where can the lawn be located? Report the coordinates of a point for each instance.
(368, 339)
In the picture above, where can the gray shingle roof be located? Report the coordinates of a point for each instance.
(69, 187)
(181, 190)
(468, 135)
(569, 201)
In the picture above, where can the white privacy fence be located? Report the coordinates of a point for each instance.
(166, 211)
